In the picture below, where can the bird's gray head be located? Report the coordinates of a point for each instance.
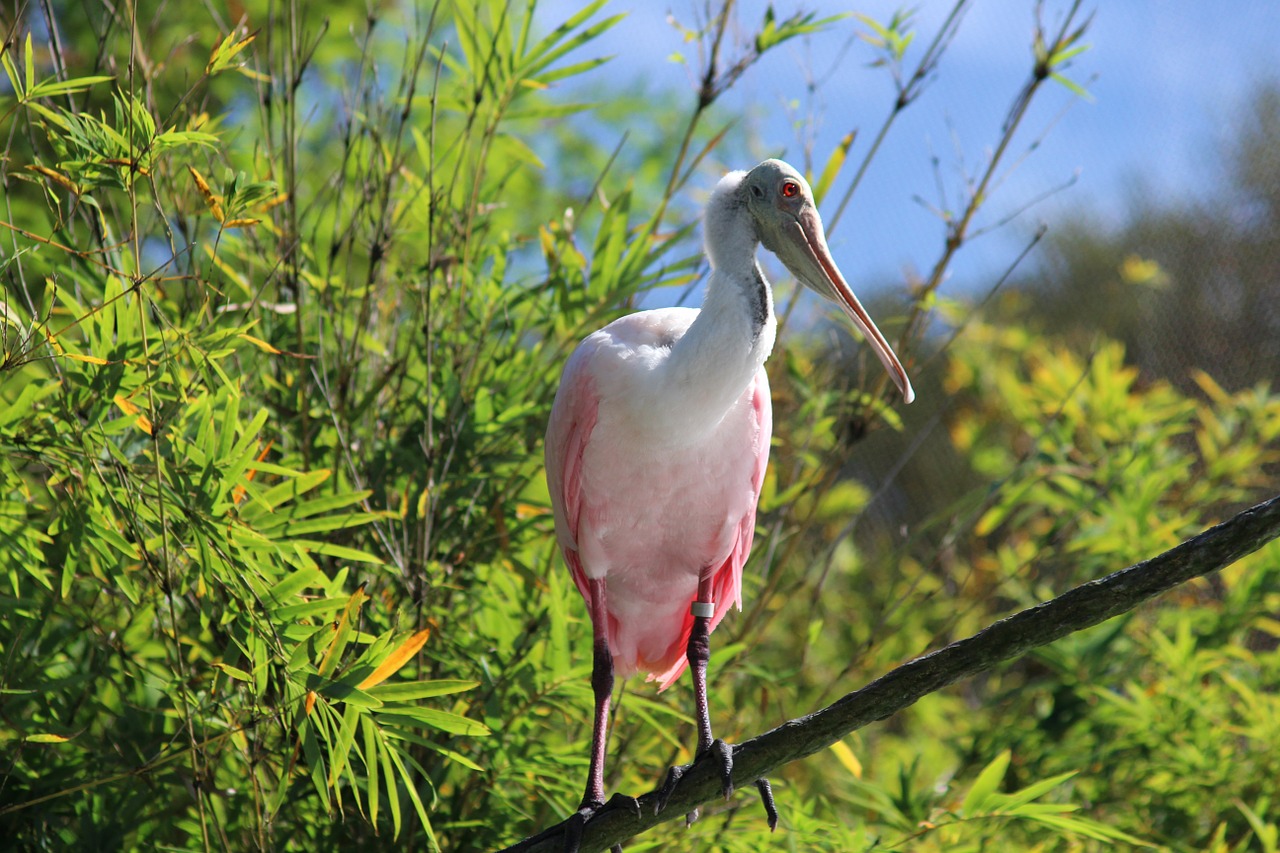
(773, 192)
(787, 223)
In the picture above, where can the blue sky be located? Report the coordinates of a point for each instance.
(1167, 78)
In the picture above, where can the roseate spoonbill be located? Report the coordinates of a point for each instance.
(657, 446)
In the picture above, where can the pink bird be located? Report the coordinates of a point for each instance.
(657, 448)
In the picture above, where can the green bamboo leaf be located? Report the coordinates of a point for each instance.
(589, 34)
(107, 534)
(549, 111)
(1034, 791)
(68, 578)
(445, 721)
(313, 734)
(541, 55)
(342, 632)
(233, 672)
(1268, 834)
(415, 690)
(1066, 54)
(295, 582)
(272, 468)
(1034, 810)
(24, 404)
(465, 30)
(324, 524)
(6, 59)
(526, 26)
(410, 788)
(341, 552)
(1090, 829)
(29, 58)
(372, 762)
(388, 773)
(310, 609)
(53, 88)
(178, 138)
(985, 785)
(340, 753)
(576, 69)
(241, 454)
(1072, 85)
(342, 691)
(456, 757)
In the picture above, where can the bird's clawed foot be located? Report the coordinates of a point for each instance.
(577, 821)
(723, 754)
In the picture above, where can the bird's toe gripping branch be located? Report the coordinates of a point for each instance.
(722, 753)
(577, 822)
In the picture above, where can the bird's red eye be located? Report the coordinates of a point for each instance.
(790, 189)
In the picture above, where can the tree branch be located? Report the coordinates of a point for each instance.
(1080, 608)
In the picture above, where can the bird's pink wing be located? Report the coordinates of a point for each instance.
(727, 580)
(573, 416)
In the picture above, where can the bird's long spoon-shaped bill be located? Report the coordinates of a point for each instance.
(815, 245)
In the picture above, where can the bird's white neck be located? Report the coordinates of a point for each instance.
(712, 364)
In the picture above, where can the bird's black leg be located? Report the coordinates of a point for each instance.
(602, 687)
(699, 652)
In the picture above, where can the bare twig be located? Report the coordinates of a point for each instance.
(1083, 607)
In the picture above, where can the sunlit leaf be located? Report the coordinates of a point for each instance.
(988, 781)
(399, 656)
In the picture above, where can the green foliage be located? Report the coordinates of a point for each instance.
(283, 316)
(1168, 714)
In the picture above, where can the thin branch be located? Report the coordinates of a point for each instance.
(1083, 607)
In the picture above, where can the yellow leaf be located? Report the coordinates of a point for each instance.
(91, 359)
(237, 494)
(834, 163)
(1211, 388)
(259, 343)
(240, 223)
(225, 51)
(46, 738)
(1270, 626)
(1136, 269)
(847, 759)
(215, 207)
(310, 701)
(524, 510)
(143, 422)
(398, 658)
(57, 177)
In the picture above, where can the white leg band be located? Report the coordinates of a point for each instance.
(705, 609)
